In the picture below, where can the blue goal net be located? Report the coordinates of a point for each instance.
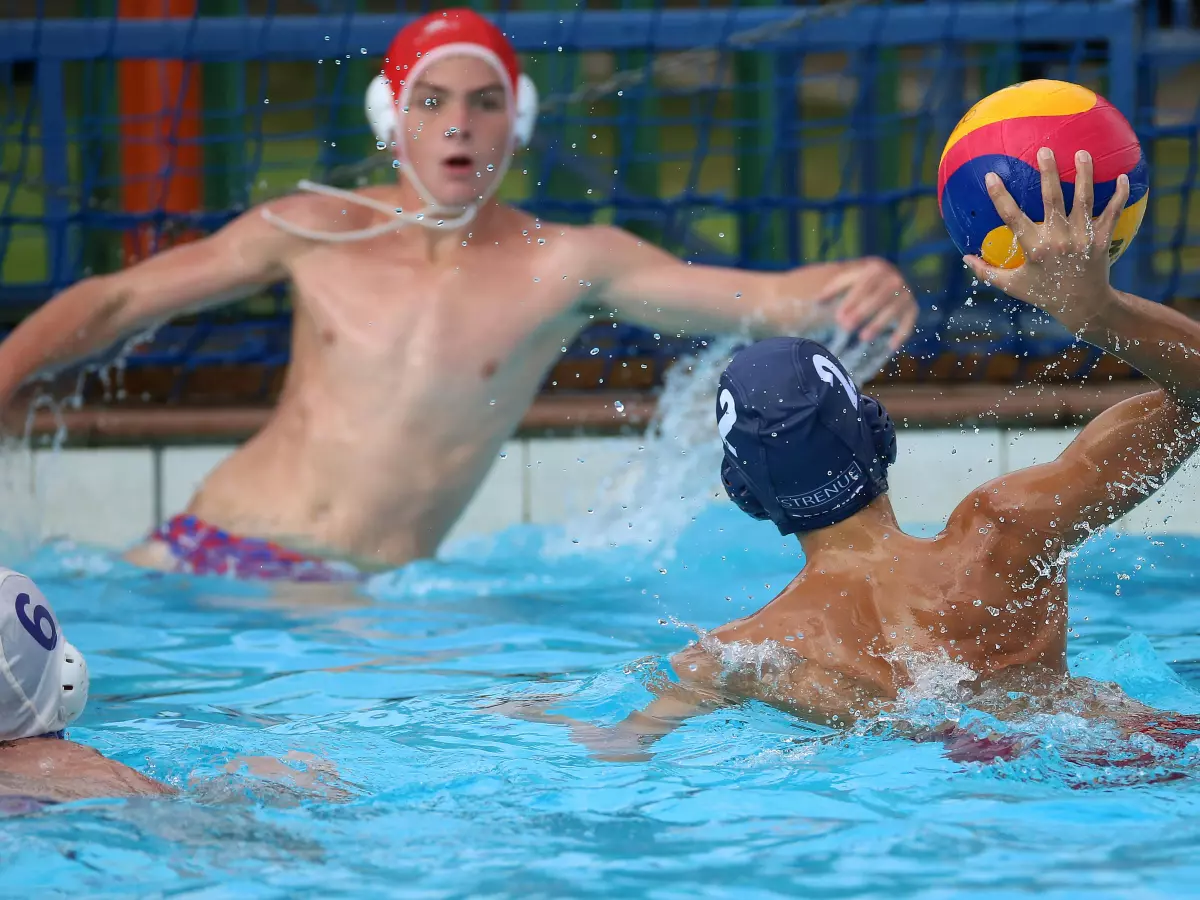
(751, 135)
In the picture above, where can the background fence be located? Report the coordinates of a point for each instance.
(752, 135)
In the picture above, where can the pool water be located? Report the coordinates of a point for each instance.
(393, 777)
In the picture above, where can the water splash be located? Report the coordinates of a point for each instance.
(760, 658)
(644, 506)
(28, 466)
(647, 503)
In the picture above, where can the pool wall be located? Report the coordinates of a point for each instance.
(112, 496)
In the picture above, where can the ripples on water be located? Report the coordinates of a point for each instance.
(381, 767)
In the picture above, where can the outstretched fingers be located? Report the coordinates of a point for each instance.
(1085, 196)
(1052, 196)
(993, 275)
(1107, 223)
(1011, 214)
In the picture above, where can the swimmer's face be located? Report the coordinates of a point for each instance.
(457, 128)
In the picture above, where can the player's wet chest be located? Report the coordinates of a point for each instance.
(383, 307)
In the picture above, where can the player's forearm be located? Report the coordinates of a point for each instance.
(75, 324)
(1160, 342)
(795, 302)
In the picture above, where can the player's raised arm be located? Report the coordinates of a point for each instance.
(1130, 450)
(95, 313)
(645, 284)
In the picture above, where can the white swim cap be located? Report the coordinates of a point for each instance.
(43, 679)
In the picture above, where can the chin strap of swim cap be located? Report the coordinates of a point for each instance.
(383, 115)
(75, 682)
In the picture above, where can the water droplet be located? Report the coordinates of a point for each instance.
(395, 163)
(620, 407)
(265, 100)
(380, 145)
(662, 571)
(491, 403)
(491, 168)
(594, 351)
(503, 455)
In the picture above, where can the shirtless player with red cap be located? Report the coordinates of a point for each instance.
(426, 317)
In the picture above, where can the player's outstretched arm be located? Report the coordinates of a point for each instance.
(92, 315)
(644, 284)
(630, 740)
(1125, 454)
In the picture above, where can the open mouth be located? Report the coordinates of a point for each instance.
(459, 164)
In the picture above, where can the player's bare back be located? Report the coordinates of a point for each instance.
(863, 615)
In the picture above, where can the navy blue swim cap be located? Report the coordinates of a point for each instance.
(803, 447)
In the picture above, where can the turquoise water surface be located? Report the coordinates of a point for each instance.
(393, 778)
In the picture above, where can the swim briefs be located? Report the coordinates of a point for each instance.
(203, 549)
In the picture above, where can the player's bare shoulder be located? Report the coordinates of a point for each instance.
(322, 214)
(550, 260)
(587, 256)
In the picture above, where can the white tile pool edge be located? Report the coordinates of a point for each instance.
(113, 497)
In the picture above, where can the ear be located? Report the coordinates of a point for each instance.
(381, 108)
(526, 113)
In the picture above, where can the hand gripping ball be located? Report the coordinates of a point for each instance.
(1002, 133)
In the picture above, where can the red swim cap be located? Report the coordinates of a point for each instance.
(449, 32)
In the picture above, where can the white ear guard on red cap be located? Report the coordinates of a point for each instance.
(526, 112)
(381, 109)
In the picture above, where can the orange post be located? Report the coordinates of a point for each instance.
(161, 156)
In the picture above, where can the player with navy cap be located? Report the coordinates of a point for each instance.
(804, 449)
(43, 689)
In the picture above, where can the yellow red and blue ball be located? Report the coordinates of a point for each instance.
(1003, 132)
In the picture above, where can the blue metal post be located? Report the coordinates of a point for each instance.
(55, 172)
(1123, 93)
(789, 116)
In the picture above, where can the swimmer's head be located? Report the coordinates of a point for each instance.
(803, 447)
(43, 679)
(453, 105)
